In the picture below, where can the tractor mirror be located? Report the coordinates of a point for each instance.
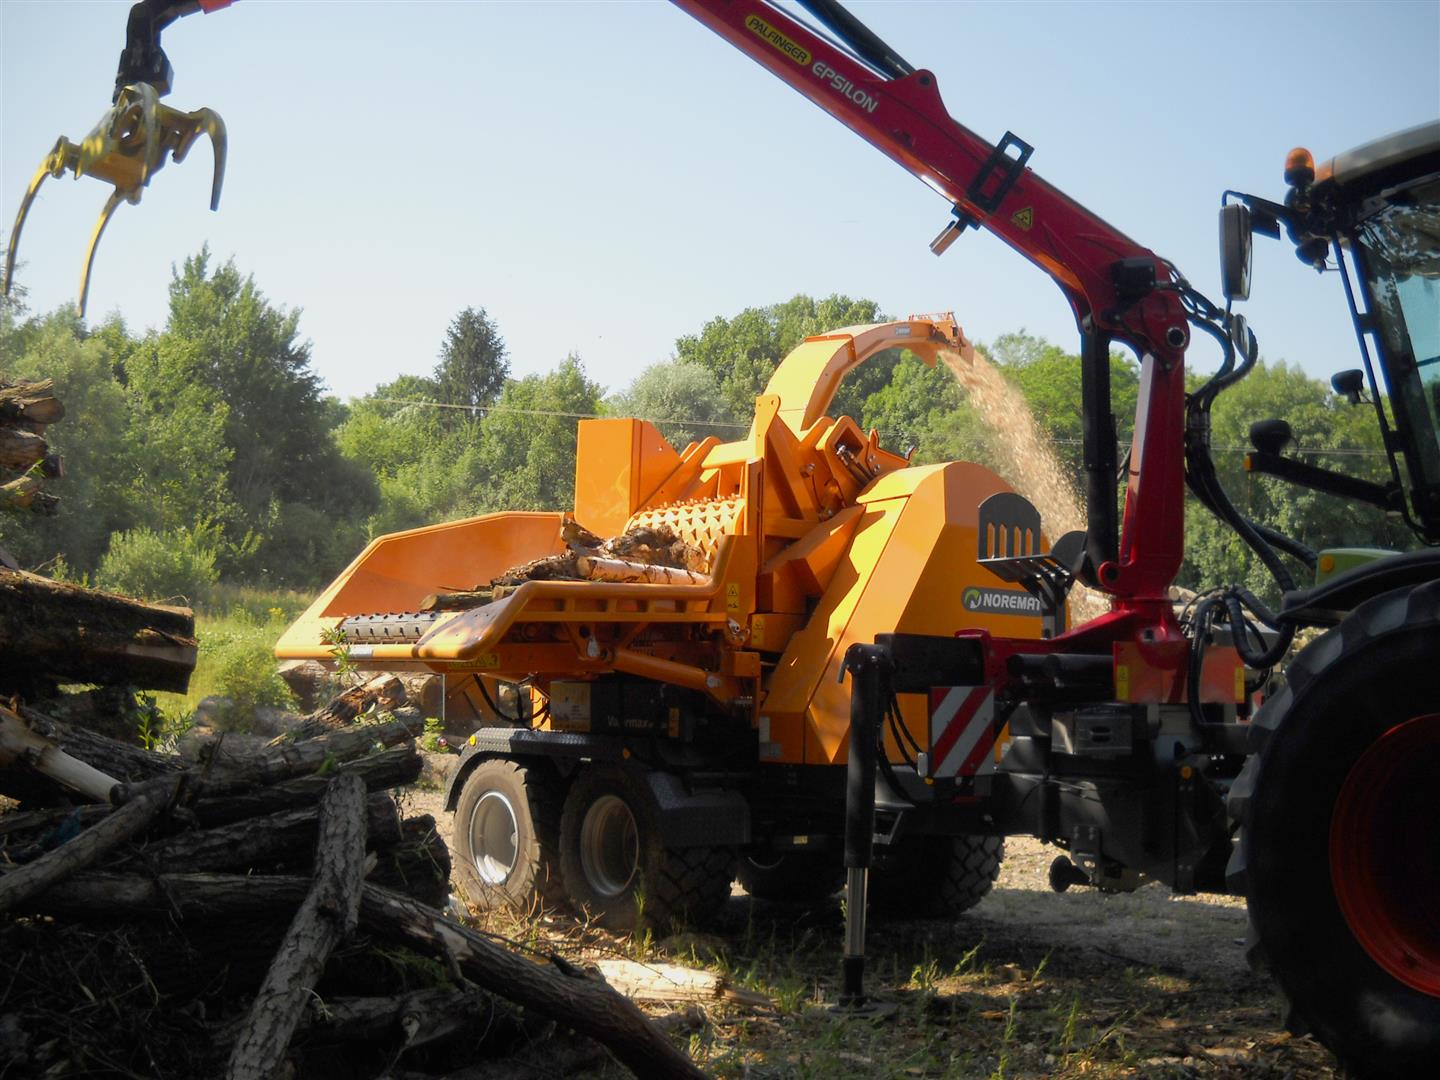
(1235, 251)
(1349, 384)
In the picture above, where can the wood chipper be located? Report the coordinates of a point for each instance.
(648, 736)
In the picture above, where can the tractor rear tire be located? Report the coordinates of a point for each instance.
(616, 867)
(792, 877)
(506, 836)
(935, 876)
(1338, 855)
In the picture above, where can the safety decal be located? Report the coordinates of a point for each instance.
(1024, 218)
(962, 729)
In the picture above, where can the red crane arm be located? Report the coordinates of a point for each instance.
(1116, 288)
(1095, 265)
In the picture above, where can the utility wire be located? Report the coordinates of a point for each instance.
(904, 435)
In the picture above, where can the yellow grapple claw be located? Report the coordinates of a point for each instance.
(132, 141)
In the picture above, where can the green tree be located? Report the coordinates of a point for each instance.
(742, 352)
(1330, 433)
(225, 336)
(686, 395)
(527, 455)
(912, 406)
(473, 362)
(175, 441)
(94, 494)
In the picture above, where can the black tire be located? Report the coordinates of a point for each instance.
(1338, 858)
(795, 877)
(506, 836)
(935, 876)
(615, 866)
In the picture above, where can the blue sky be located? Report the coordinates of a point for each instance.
(604, 176)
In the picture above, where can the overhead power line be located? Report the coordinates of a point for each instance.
(903, 436)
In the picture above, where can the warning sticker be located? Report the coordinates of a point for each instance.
(1023, 219)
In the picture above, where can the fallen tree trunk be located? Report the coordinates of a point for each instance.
(418, 866)
(27, 751)
(124, 761)
(284, 762)
(388, 769)
(584, 1004)
(597, 568)
(62, 631)
(94, 842)
(329, 915)
(286, 837)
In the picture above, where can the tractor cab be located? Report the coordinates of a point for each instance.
(1376, 211)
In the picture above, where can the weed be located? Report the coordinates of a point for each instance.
(1006, 1038)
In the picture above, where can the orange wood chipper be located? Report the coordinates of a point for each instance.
(645, 741)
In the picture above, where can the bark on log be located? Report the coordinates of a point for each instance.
(23, 493)
(30, 826)
(125, 761)
(418, 866)
(385, 690)
(457, 601)
(389, 769)
(56, 629)
(329, 914)
(287, 837)
(596, 568)
(21, 449)
(285, 762)
(584, 1004)
(83, 851)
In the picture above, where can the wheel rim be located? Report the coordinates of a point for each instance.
(494, 838)
(1385, 852)
(609, 846)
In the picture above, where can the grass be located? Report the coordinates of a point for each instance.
(998, 1003)
(237, 629)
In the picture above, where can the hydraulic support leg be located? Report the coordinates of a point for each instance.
(868, 666)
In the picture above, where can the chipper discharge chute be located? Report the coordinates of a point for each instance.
(671, 710)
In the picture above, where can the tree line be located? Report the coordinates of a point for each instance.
(209, 450)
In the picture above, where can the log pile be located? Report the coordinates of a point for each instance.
(265, 915)
(642, 554)
(26, 460)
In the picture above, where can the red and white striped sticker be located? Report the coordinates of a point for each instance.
(962, 729)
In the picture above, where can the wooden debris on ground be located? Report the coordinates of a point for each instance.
(26, 460)
(642, 554)
(280, 917)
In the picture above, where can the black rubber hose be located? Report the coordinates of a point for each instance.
(1259, 660)
(1200, 632)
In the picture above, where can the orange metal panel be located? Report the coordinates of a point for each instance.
(618, 464)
